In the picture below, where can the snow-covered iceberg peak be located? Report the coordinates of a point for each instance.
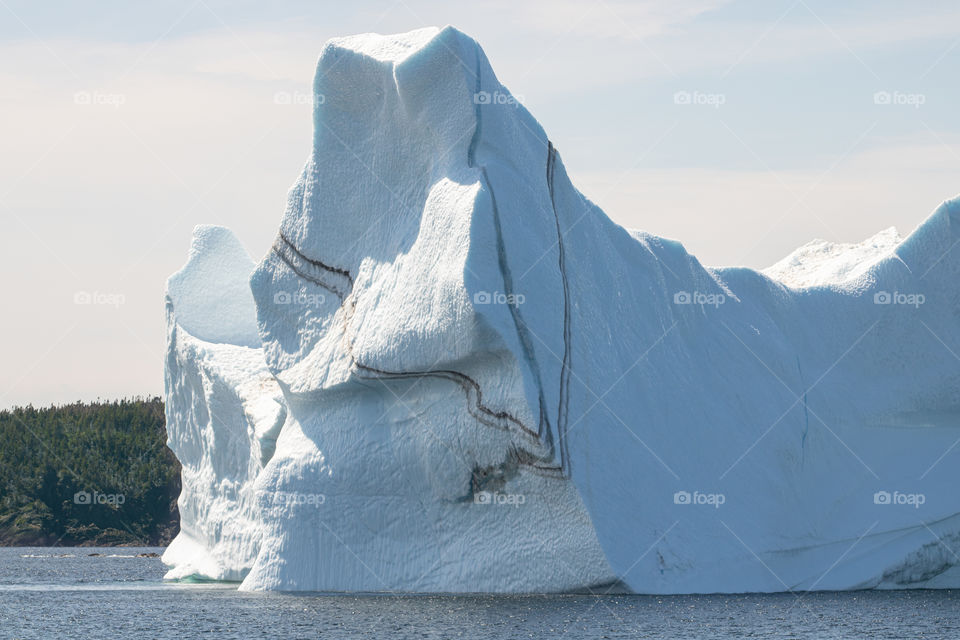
(821, 263)
(487, 385)
(211, 294)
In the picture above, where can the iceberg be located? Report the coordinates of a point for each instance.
(452, 372)
(223, 407)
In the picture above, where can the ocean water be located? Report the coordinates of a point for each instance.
(66, 593)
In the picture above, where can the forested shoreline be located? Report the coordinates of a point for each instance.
(90, 474)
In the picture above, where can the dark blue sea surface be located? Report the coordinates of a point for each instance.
(67, 593)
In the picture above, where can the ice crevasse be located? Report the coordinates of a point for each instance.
(452, 372)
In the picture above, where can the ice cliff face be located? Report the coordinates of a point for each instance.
(465, 377)
(224, 408)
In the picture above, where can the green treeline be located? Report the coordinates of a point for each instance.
(96, 473)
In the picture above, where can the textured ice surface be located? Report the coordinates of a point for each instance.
(467, 378)
(211, 295)
(821, 262)
(224, 409)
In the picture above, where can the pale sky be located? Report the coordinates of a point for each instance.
(126, 123)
